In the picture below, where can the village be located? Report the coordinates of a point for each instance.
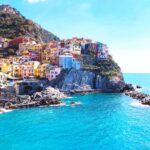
(23, 61)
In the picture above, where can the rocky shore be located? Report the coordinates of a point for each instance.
(143, 98)
(130, 91)
(47, 97)
(51, 96)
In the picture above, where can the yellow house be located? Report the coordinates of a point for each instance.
(6, 68)
(36, 65)
(42, 69)
(29, 69)
(45, 56)
(15, 69)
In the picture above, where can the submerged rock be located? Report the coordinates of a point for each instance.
(138, 87)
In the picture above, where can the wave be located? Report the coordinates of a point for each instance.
(66, 104)
(2, 110)
(138, 89)
(70, 97)
(138, 104)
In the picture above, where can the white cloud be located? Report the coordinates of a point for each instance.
(35, 1)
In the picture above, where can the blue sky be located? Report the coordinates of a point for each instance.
(123, 25)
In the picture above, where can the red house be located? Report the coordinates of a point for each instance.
(18, 40)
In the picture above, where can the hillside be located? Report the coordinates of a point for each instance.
(13, 24)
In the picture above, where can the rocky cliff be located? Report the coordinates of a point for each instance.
(105, 77)
(13, 24)
(83, 80)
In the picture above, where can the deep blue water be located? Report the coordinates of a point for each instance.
(102, 122)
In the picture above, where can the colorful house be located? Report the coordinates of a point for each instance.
(6, 67)
(28, 69)
(68, 62)
(45, 56)
(75, 49)
(102, 51)
(65, 61)
(41, 70)
(52, 72)
(3, 77)
(18, 40)
(76, 64)
(15, 69)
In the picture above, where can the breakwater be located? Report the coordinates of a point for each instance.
(143, 98)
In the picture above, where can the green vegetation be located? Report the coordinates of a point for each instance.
(11, 25)
(104, 68)
(92, 54)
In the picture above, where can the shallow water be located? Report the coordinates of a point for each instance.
(101, 122)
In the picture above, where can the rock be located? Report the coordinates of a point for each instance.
(2, 110)
(143, 98)
(85, 81)
(138, 87)
(49, 93)
(128, 87)
(49, 96)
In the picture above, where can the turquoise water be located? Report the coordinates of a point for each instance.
(102, 122)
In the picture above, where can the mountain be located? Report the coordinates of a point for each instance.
(14, 24)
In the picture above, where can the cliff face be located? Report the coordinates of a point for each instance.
(13, 24)
(104, 75)
(83, 80)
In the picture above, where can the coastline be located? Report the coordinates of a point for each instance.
(54, 97)
(46, 102)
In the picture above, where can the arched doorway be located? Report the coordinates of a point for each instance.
(28, 89)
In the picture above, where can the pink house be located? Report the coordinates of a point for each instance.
(52, 72)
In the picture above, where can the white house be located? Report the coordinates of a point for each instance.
(3, 77)
(63, 51)
(75, 48)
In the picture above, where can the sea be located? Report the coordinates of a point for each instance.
(99, 122)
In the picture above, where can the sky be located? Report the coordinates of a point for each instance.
(124, 25)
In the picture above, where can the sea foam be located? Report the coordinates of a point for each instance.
(2, 110)
(70, 97)
(138, 104)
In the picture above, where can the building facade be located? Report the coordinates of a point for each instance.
(52, 72)
(68, 62)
